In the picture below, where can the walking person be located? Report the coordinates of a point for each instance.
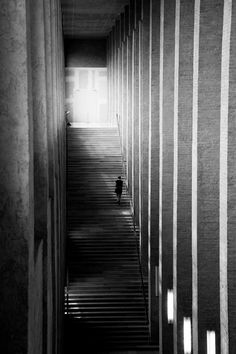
(118, 190)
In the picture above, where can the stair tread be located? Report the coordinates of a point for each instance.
(104, 297)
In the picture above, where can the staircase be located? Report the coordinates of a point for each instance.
(105, 308)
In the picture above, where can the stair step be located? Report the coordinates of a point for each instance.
(104, 298)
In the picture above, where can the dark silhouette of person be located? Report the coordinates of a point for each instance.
(118, 190)
(68, 123)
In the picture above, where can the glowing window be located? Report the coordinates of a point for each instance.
(170, 306)
(187, 336)
(211, 342)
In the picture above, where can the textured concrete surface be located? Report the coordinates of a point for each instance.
(135, 134)
(183, 249)
(38, 85)
(124, 101)
(16, 203)
(153, 167)
(167, 136)
(232, 190)
(129, 97)
(27, 262)
(208, 171)
(144, 131)
(136, 123)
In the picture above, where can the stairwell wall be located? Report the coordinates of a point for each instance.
(186, 213)
(32, 177)
(132, 89)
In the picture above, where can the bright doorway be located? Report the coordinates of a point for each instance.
(86, 96)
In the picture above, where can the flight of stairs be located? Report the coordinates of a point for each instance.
(105, 307)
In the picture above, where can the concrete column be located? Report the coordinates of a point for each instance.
(136, 123)
(153, 166)
(137, 13)
(182, 221)
(112, 78)
(57, 196)
(115, 74)
(48, 245)
(117, 63)
(49, 88)
(37, 48)
(130, 98)
(167, 169)
(125, 91)
(208, 145)
(108, 77)
(228, 246)
(55, 176)
(144, 136)
(33, 204)
(16, 202)
(119, 76)
(129, 113)
(62, 176)
(133, 115)
(140, 78)
(122, 30)
(136, 110)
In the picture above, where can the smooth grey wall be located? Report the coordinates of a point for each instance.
(86, 53)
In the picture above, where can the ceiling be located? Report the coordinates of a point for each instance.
(90, 18)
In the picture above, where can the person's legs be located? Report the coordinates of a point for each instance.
(118, 197)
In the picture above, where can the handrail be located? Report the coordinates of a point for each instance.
(134, 224)
(141, 273)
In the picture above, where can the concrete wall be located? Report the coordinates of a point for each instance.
(32, 189)
(130, 80)
(85, 53)
(176, 108)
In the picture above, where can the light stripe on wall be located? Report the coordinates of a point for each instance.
(161, 167)
(175, 174)
(150, 132)
(118, 85)
(127, 114)
(224, 175)
(150, 156)
(121, 98)
(140, 126)
(132, 116)
(195, 175)
(115, 77)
